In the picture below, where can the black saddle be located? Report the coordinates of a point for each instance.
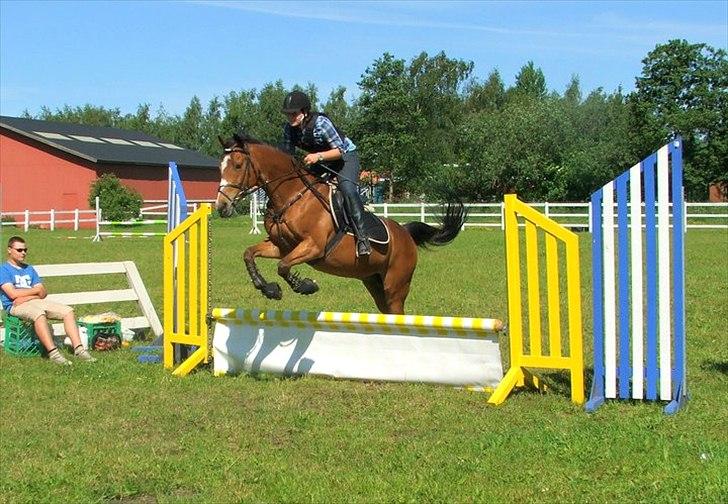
(373, 226)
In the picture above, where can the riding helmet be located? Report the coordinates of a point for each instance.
(295, 101)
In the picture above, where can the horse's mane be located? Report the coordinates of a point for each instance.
(245, 138)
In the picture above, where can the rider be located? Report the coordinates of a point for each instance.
(315, 133)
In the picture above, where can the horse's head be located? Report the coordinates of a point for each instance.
(237, 174)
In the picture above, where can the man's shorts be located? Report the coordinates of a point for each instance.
(31, 310)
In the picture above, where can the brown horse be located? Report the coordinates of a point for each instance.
(299, 226)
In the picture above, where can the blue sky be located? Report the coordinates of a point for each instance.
(121, 54)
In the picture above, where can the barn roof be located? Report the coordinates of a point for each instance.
(106, 145)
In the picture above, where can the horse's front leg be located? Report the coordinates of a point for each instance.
(268, 250)
(305, 251)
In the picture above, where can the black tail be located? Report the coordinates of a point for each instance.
(451, 223)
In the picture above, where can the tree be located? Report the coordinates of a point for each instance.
(270, 120)
(387, 126)
(489, 96)
(190, 129)
(530, 83)
(86, 114)
(683, 90)
(338, 109)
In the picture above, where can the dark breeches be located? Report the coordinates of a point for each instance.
(348, 176)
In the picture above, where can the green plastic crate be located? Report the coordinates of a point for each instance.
(95, 329)
(20, 338)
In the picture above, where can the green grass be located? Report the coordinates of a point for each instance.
(122, 431)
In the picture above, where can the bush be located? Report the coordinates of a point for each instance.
(117, 201)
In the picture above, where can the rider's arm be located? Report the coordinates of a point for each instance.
(330, 136)
(318, 157)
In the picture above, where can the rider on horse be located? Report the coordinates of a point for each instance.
(315, 133)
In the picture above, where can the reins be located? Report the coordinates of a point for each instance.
(296, 170)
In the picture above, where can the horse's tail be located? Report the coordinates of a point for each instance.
(452, 221)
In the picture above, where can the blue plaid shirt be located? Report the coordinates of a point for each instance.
(323, 132)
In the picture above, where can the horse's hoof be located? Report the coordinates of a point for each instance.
(307, 286)
(272, 291)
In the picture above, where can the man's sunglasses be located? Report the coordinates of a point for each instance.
(21, 250)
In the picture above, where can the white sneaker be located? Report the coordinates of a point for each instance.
(59, 359)
(85, 356)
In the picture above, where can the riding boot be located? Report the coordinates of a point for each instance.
(356, 214)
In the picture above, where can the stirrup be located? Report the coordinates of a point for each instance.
(363, 247)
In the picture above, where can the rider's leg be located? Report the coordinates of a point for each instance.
(348, 178)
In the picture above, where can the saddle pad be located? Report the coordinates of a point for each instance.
(373, 225)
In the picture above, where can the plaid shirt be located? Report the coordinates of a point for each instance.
(324, 133)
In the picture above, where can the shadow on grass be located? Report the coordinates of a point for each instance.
(715, 366)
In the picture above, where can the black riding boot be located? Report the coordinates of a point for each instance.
(356, 214)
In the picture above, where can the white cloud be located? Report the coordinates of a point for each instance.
(396, 14)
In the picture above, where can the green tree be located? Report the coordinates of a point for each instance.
(489, 96)
(87, 114)
(190, 132)
(683, 90)
(388, 122)
(530, 83)
(269, 119)
(338, 109)
(240, 110)
(211, 127)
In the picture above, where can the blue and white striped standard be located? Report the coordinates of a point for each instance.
(176, 201)
(634, 272)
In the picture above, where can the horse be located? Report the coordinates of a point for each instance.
(299, 225)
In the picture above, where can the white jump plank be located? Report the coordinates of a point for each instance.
(95, 297)
(663, 261)
(610, 321)
(635, 197)
(75, 269)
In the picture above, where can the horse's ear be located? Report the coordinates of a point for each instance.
(238, 139)
(222, 142)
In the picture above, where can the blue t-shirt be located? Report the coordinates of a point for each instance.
(21, 278)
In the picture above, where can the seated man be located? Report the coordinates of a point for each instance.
(23, 296)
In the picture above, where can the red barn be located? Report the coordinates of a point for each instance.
(50, 165)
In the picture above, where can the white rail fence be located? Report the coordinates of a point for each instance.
(480, 215)
(53, 218)
(490, 215)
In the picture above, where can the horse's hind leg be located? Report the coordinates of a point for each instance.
(396, 288)
(376, 288)
(266, 249)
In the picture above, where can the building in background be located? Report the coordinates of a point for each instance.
(50, 165)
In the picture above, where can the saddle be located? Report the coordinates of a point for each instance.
(373, 226)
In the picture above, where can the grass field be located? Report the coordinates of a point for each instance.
(120, 431)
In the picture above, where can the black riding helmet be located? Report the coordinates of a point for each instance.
(295, 101)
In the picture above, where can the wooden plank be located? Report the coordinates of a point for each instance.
(145, 303)
(75, 269)
(95, 297)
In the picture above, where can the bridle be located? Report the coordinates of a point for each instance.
(242, 192)
(249, 165)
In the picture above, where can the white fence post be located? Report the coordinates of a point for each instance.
(386, 213)
(590, 217)
(75, 220)
(52, 215)
(98, 221)
(27, 220)
(422, 212)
